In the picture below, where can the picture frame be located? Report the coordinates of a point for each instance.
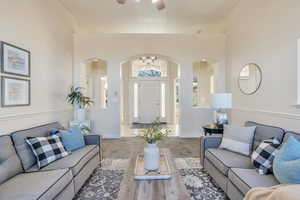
(14, 60)
(15, 92)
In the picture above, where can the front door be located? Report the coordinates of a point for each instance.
(149, 101)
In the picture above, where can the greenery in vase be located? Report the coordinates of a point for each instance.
(85, 129)
(76, 97)
(155, 132)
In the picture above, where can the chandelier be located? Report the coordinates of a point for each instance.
(148, 60)
(160, 5)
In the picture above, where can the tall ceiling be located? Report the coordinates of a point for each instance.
(143, 17)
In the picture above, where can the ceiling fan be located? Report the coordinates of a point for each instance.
(160, 5)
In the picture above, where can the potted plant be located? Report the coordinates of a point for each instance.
(79, 101)
(85, 130)
(151, 153)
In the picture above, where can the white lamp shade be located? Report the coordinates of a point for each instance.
(222, 101)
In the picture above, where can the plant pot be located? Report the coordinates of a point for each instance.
(151, 157)
(80, 114)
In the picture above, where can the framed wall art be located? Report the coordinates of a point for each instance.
(15, 92)
(14, 60)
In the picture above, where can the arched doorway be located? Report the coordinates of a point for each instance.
(149, 91)
(93, 79)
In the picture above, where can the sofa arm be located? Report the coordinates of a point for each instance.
(92, 139)
(207, 142)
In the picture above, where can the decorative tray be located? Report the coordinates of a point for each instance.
(140, 173)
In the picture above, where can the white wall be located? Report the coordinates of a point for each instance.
(265, 32)
(43, 28)
(180, 48)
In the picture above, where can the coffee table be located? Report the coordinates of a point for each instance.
(171, 189)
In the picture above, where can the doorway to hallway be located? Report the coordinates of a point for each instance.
(149, 91)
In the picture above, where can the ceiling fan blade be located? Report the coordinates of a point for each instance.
(121, 1)
(160, 5)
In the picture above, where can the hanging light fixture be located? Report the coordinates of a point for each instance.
(121, 1)
(160, 5)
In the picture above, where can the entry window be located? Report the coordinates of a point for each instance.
(103, 92)
(212, 84)
(144, 69)
(163, 100)
(195, 91)
(136, 100)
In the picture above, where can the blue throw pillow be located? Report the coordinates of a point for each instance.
(54, 131)
(72, 139)
(286, 164)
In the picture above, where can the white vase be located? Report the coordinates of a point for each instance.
(151, 157)
(80, 114)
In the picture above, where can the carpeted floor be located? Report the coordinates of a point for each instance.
(105, 182)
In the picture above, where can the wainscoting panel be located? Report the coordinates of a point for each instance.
(11, 123)
(287, 121)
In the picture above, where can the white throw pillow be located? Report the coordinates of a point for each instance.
(238, 139)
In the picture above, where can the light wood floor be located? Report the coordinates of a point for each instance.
(123, 147)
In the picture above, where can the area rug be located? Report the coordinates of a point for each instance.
(104, 183)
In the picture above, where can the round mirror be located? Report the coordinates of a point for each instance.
(250, 79)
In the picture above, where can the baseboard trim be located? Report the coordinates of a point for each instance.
(269, 113)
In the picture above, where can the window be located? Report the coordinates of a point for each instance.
(163, 100)
(136, 100)
(212, 84)
(203, 84)
(195, 91)
(156, 68)
(245, 73)
(93, 77)
(103, 92)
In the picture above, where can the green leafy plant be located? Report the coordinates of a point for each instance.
(155, 132)
(76, 97)
(85, 129)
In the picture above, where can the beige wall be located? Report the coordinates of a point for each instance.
(43, 28)
(183, 49)
(265, 32)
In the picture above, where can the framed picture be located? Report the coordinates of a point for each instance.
(14, 60)
(15, 92)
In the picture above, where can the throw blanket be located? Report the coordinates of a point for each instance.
(278, 192)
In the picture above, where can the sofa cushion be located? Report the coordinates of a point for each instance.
(245, 179)
(25, 153)
(38, 185)
(264, 132)
(75, 161)
(223, 160)
(289, 134)
(238, 139)
(10, 165)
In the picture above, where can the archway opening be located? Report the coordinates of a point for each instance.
(93, 78)
(149, 91)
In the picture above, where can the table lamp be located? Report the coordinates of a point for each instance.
(221, 102)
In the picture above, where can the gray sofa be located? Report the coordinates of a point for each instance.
(233, 172)
(20, 178)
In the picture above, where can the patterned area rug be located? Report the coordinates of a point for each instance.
(104, 184)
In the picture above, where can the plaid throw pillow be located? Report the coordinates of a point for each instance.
(46, 149)
(264, 154)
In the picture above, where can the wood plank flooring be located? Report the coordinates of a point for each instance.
(124, 147)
